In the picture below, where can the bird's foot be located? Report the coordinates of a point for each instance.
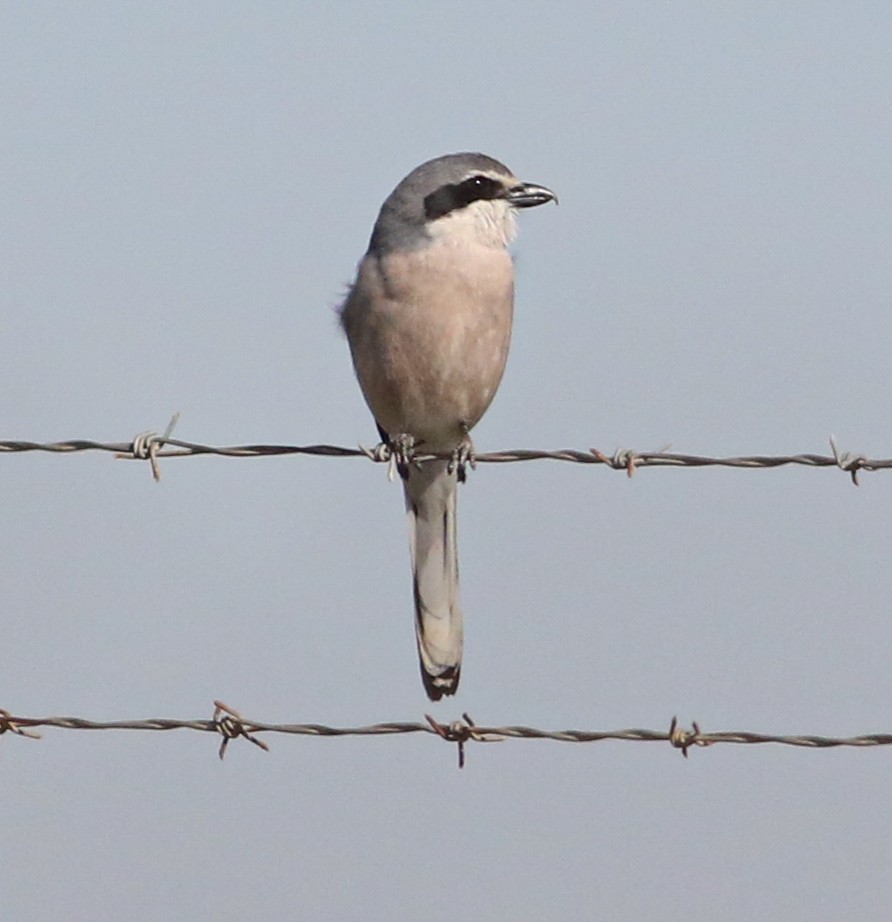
(400, 452)
(462, 458)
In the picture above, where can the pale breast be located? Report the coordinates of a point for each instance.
(429, 331)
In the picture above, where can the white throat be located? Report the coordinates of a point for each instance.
(490, 222)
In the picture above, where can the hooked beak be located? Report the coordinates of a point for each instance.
(528, 194)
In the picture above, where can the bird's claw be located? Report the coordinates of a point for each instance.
(401, 451)
(462, 458)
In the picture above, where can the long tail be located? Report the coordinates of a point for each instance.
(430, 509)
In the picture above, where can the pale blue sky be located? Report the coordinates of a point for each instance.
(186, 189)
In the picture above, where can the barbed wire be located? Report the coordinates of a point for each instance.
(229, 724)
(152, 446)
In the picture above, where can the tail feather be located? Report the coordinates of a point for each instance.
(431, 512)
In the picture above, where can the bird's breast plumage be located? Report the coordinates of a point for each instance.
(429, 331)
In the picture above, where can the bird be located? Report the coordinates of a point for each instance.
(428, 322)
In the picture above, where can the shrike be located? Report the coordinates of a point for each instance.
(428, 321)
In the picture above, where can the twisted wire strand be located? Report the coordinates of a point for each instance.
(153, 447)
(229, 724)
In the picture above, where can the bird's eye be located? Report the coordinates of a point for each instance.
(481, 187)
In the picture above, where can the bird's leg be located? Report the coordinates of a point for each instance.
(463, 456)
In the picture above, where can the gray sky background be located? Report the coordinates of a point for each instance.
(186, 189)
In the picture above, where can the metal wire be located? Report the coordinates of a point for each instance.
(152, 446)
(229, 724)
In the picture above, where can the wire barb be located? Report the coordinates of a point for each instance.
(623, 459)
(231, 726)
(147, 444)
(460, 731)
(683, 739)
(847, 461)
(9, 723)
